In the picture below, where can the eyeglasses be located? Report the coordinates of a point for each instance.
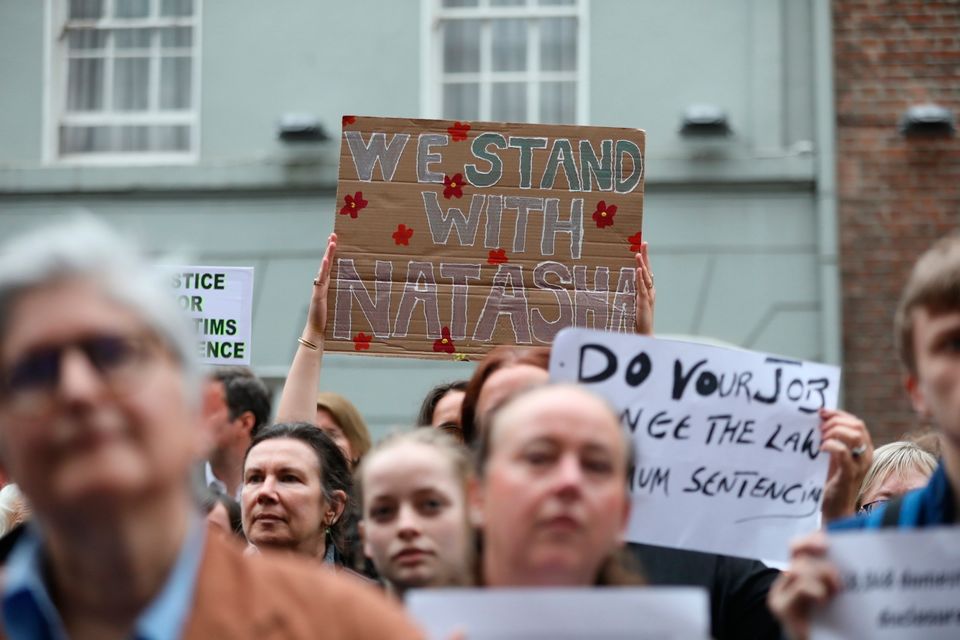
(29, 384)
(870, 506)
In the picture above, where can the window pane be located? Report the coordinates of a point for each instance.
(131, 82)
(461, 45)
(461, 101)
(558, 44)
(558, 102)
(131, 8)
(508, 3)
(509, 45)
(553, 3)
(509, 101)
(85, 84)
(133, 138)
(176, 37)
(175, 75)
(176, 7)
(86, 39)
(459, 3)
(86, 9)
(171, 138)
(132, 38)
(84, 139)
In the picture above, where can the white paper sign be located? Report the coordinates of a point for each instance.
(219, 301)
(597, 613)
(727, 440)
(898, 585)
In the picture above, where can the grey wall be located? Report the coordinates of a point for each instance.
(733, 224)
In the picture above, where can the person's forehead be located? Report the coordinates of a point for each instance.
(406, 468)
(283, 452)
(62, 311)
(558, 411)
(927, 322)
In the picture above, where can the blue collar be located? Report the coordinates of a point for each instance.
(29, 612)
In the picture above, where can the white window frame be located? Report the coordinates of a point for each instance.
(55, 91)
(431, 55)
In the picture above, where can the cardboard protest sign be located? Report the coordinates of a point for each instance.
(661, 613)
(897, 585)
(455, 237)
(219, 301)
(727, 440)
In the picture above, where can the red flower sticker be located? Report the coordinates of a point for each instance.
(361, 341)
(453, 186)
(353, 204)
(635, 241)
(497, 257)
(603, 216)
(402, 235)
(349, 120)
(458, 132)
(444, 344)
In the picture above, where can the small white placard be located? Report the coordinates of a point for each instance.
(898, 585)
(727, 440)
(219, 302)
(597, 613)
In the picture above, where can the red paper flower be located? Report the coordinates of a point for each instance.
(353, 204)
(458, 131)
(453, 186)
(349, 120)
(361, 341)
(444, 344)
(402, 235)
(603, 216)
(635, 241)
(497, 257)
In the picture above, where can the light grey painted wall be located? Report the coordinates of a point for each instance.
(733, 224)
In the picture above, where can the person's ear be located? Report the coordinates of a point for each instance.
(475, 503)
(338, 502)
(247, 421)
(917, 397)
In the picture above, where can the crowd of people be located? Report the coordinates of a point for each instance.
(199, 512)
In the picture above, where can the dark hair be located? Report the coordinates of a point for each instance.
(334, 468)
(211, 497)
(425, 417)
(244, 391)
(499, 358)
(619, 568)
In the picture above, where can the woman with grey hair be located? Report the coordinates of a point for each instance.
(100, 427)
(897, 468)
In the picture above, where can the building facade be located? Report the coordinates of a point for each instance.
(162, 117)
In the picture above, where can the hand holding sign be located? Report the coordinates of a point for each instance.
(317, 315)
(646, 292)
(845, 437)
(811, 582)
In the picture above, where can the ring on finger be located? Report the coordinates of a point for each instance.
(858, 450)
(316, 281)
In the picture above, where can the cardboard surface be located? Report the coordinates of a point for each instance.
(457, 237)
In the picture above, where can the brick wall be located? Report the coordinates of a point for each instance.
(896, 195)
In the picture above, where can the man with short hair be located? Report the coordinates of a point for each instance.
(100, 428)
(927, 330)
(236, 406)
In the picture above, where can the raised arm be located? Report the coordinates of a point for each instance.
(646, 292)
(846, 438)
(299, 399)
